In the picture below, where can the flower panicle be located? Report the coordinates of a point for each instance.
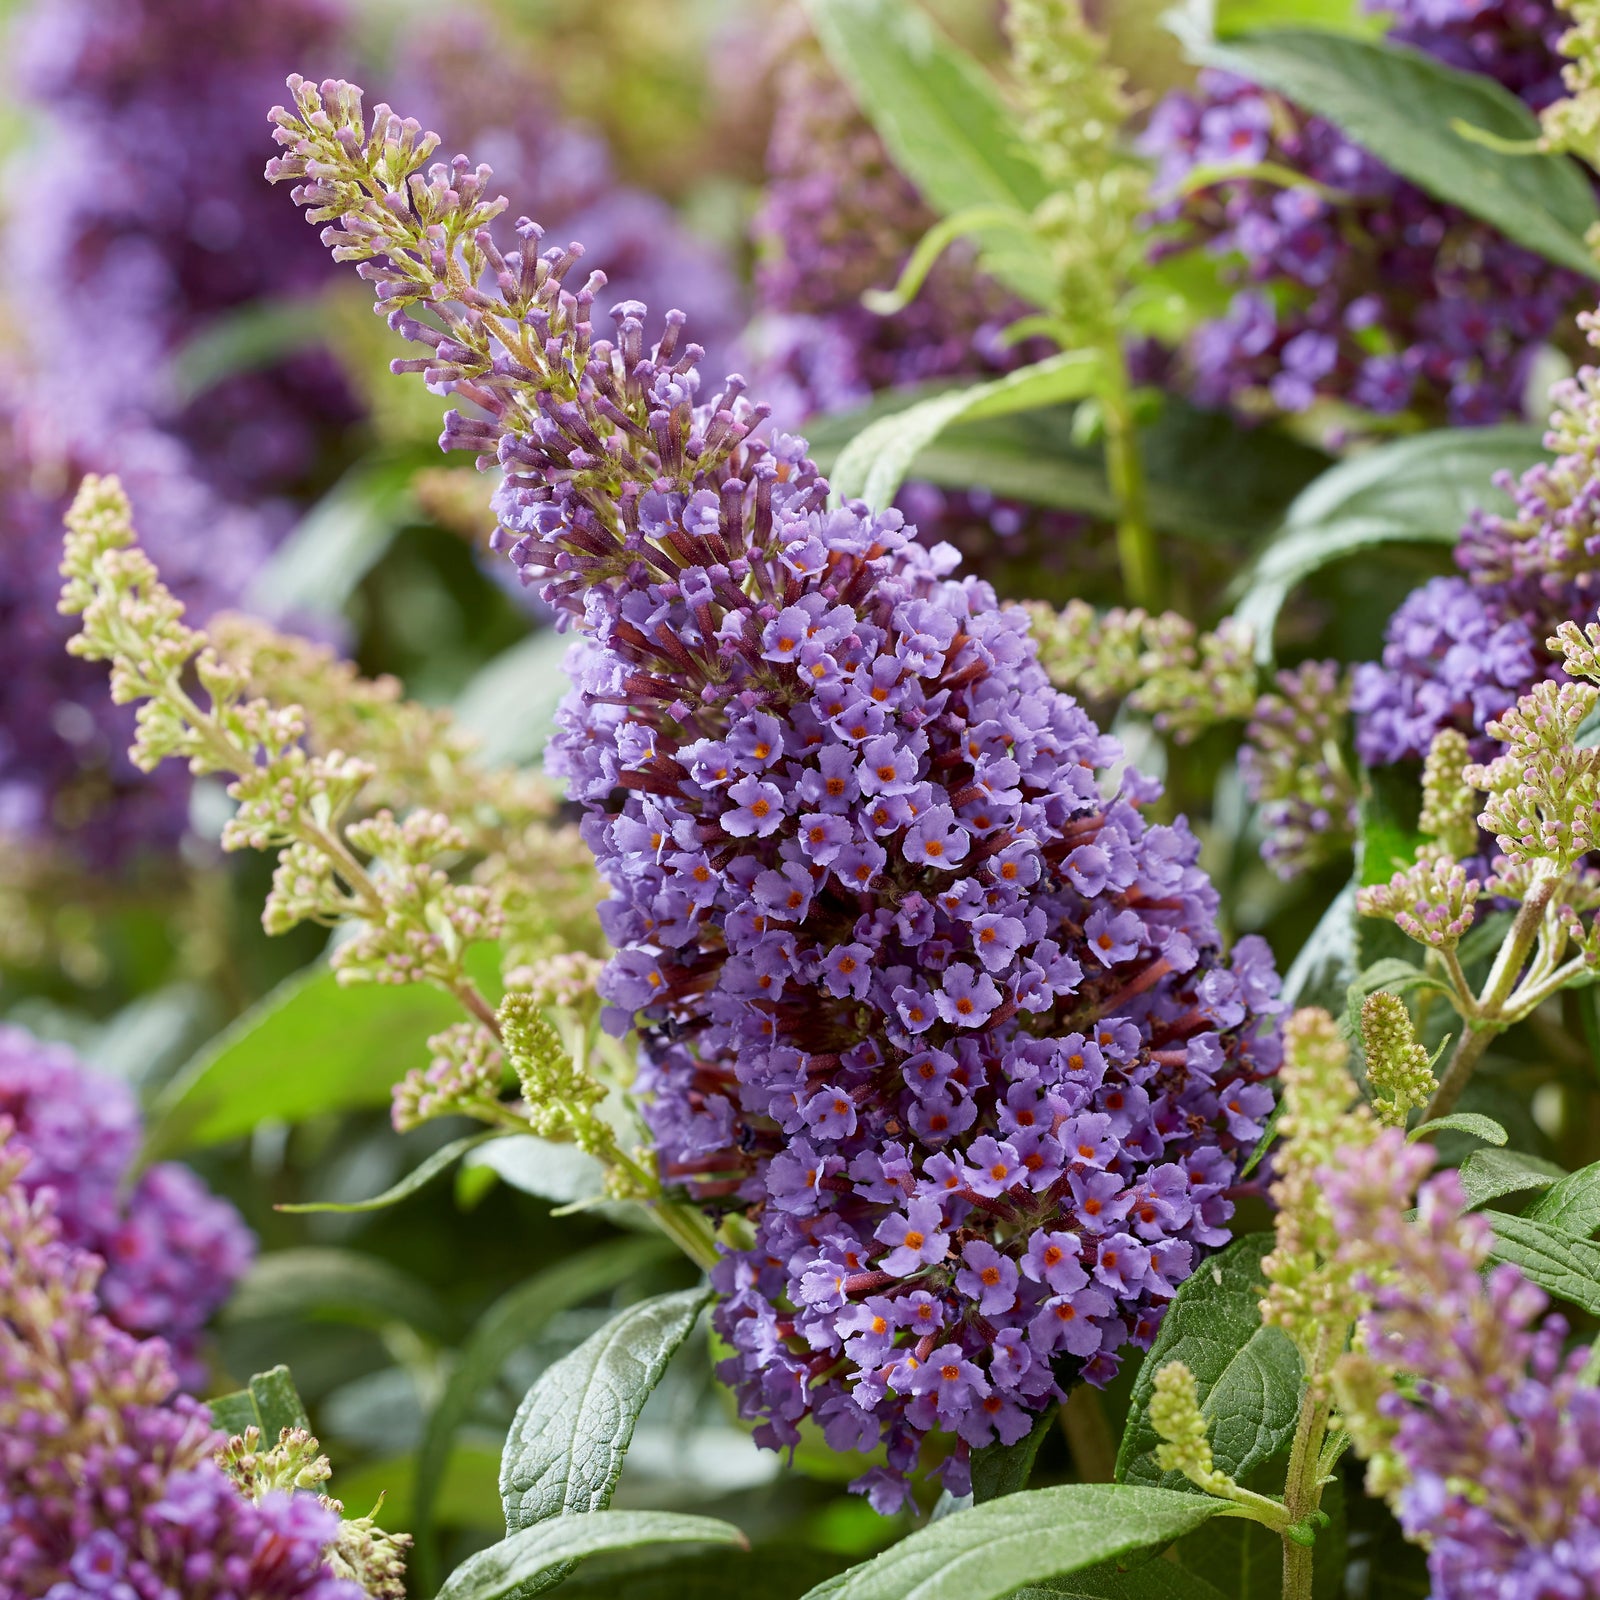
(921, 997)
(1309, 1295)
(1476, 1422)
(1399, 1073)
(110, 1470)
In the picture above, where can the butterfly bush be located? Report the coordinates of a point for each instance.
(1461, 650)
(1488, 1446)
(157, 255)
(110, 1479)
(921, 991)
(171, 1249)
(838, 220)
(1356, 285)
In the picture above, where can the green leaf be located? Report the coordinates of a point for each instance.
(511, 702)
(1325, 965)
(256, 335)
(999, 1469)
(1418, 490)
(769, 1572)
(1573, 1204)
(565, 1449)
(271, 1403)
(1248, 1376)
(875, 463)
(1488, 1174)
(529, 1562)
(945, 125)
(1207, 479)
(994, 1549)
(312, 1045)
(1587, 734)
(1480, 1127)
(559, 1172)
(1388, 836)
(316, 569)
(338, 1286)
(1561, 1263)
(1335, 16)
(1401, 104)
(1150, 1580)
(418, 1178)
(511, 1322)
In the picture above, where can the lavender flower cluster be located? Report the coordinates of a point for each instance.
(1462, 649)
(1358, 286)
(837, 219)
(108, 1486)
(945, 1014)
(155, 253)
(1492, 1447)
(171, 1249)
(920, 989)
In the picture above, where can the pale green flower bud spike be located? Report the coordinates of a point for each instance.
(1399, 1074)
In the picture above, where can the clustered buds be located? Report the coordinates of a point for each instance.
(345, 856)
(1474, 1423)
(1185, 1435)
(1294, 767)
(1399, 1074)
(1433, 900)
(1309, 1294)
(920, 991)
(1449, 812)
(362, 1552)
(108, 1477)
(463, 1078)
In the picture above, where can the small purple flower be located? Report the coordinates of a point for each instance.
(993, 1166)
(968, 998)
(1052, 1259)
(757, 811)
(913, 1238)
(831, 1114)
(847, 970)
(1066, 1322)
(936, 839)
(987, 1277)
(1113, 937)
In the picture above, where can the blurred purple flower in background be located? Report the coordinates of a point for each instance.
(108, 1485)
(1373, 294)
(172, 1250)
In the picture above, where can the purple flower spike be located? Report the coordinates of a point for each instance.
(890, 1034)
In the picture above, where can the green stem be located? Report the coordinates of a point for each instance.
(1473, 1042)
(688, 1229)
(1136, 549)
(1302, 1490)
(1486, 1018)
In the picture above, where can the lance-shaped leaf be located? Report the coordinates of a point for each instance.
(331, 1285)
(1488, 1174)
(1404, 107)
(1248, 1377)
(271, 1403)
(419, 1177)
(513, 1320)
(1414, 491)
(946, 126)
(534, 1560)
(1573, 1204)
(566, 1447)
(994, 1549)
(875, 463)
(1560, 1263)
